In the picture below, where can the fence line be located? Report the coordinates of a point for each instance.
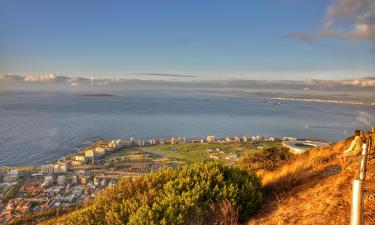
(358, 187)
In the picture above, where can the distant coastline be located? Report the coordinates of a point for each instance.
(324, 101)
(295, 97)
(96, 95)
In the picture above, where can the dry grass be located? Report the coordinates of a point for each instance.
(223, 214)
(311, 190)
(300, 170)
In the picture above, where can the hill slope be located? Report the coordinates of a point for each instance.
(313, 190)
(309, 190)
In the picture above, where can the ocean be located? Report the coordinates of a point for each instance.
(36, 128)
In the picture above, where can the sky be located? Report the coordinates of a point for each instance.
(252, 39)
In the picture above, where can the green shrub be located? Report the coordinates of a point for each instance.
(171, 196)
(269, 159)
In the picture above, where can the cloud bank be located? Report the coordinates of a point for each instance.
(367, 83)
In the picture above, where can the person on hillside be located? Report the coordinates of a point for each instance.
(354, 149)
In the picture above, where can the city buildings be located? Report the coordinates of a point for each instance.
(81, 158)
(111, 144)
(60, 168)
(11, 176)
(90, 154)
(210, 139)
(257, 138)
(270, 139)
(46, 169)
(100, 151)
(287, 138)
(54, 168)
(153, 142)
(141, 143)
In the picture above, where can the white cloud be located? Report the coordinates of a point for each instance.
(350, 19)
(40, 78)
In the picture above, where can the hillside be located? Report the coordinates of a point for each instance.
(313, 190)
(308, 189)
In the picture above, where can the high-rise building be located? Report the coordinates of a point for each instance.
(141, 143)
(54, 168)
(11, 176)
(152, 142)
(100, 151)
(13, 172)
(60, 168)
(46, 169)
(80, 158)
(90, 154)
(112, 144)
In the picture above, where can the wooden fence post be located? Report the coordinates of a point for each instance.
(373, 138)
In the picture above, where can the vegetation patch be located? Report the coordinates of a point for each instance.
(172, 196)
(269, 159)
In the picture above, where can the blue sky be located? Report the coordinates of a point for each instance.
(265, 39)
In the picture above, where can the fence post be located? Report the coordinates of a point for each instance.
(357, 189)
(363, 163)
(356, 218)
(373, 138)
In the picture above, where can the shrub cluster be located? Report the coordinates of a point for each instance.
(269, 159)
(171, 196)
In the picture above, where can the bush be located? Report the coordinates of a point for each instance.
(171, 196)
(269, 159)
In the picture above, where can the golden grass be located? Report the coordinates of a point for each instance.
(310, 190)
(301, 169)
